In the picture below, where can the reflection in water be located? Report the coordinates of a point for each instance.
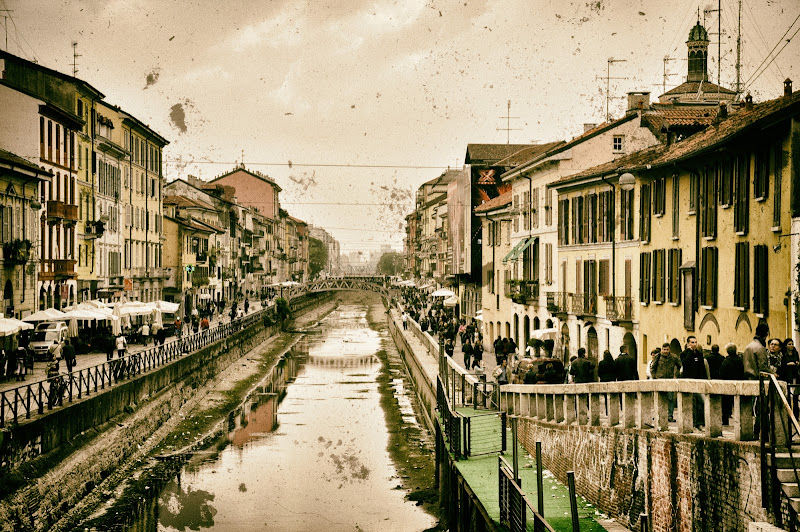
(325, 466)
(181, 509)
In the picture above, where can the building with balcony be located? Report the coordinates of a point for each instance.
(19, 232)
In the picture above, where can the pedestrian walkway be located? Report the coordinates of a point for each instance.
(89, 360)
(481, 469)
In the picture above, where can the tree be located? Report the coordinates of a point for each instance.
(390, 263)
(317, 256)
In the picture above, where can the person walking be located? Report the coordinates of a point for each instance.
(500, 373)
(714, 360)
(122, 344)
(68, 354)
(732, 369)
(477, 355)
(405, 320)
(625, 365)
(695, 366)
(22, 369)
(582, 369)
(789, 362)
(606, 370)
(145, 332)
(755, 353)
(667, 365)
(246, 306)
(466, 350)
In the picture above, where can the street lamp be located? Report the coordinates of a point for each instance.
(626, 182)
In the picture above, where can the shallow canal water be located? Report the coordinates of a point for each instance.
(315, 460)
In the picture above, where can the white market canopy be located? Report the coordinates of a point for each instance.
(443, 292)
(9, 326)
(450, 302)
(50, 314)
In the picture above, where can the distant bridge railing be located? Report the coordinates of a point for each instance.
(638, 404)
(36, 397)
(378, 284)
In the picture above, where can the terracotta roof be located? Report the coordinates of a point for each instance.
(695, 87)
(446, 177)
(500, 201)
(257, 175)
(680, 116)
(526, 154)
(727, 130)
(490, 154)
(183, 201)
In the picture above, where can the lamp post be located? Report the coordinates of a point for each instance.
(626, 182)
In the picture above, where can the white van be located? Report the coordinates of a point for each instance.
(46, 337)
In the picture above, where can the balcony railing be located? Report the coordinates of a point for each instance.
(584, 304)
(53, 269)
(619, 308)
(557, 302)
(55, 210)
(201, 257)
(523, 291)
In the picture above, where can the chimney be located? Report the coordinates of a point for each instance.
(787, 87)
(638, 101)
(588, 127)
(748, 102)
(723, 111)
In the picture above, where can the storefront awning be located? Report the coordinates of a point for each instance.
(520, 248)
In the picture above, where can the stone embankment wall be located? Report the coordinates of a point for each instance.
(87, 441)
(684, 482)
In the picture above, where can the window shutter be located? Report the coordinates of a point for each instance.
(585, 226)
(776, 163)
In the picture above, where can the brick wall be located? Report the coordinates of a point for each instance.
(684, 482)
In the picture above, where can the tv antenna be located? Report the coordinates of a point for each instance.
(719, 35)
(667, 59)
(608, 79)
(75, 56)
(508, 129)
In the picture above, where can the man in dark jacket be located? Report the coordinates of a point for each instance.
(695, 367)
(626, 365)
(606, 368)
(714, 360)
(666, 365)
(732, 369)
(582, 369)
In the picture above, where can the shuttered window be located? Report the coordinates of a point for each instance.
(515, 207)
(548, 206)
(644, 214)
(592, 218)
(526, 211)
(708, 203)
(776, 167)
(761, 172)
(603, 282)
(760, 280)
(708, 277)
(644, 277)
(659, 275)
(659, 195)
(694, 186)
(673, 280)
(563, 222)
(626, 218)
(535, 207)
(726, 181)
(741, 204)
(676, 205)
(741, 287)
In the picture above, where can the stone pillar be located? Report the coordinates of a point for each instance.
(595, 407)
(613, 401)
(743, 419)
(629, 410)
(685, 415)
(713, 411)
(569, 408)
(644, 410)
(661, 410)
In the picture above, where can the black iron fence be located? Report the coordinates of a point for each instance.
(36, 397)
(450, 419)
(516, 511)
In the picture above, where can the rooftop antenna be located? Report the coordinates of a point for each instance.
(667, 59)
(719, 34)
(608, 79)
(6, 15)
(75, 56)
(508, 129)
(739, 54)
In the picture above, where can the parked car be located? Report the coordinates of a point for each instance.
(46, 337)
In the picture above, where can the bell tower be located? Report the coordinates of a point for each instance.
(698, 53)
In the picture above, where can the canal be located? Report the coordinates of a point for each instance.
(330, 441)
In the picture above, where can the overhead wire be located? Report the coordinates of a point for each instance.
(758, 71)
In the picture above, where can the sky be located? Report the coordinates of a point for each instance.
(350, 105)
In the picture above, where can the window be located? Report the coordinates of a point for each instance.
(548, 206)
(726, 182)
(741, 204)
(659, 195)
(563, 222)
(761, 172)
(760, 280)
(577, 217)
(617, 143)
(591, 208)
(708, 204)
(644, 214)
(659, 275)
(516, 208)
(603, 282)
(526, 211)
(548, 263)
(776, 168)
(535, 208)
(693, 191)
(673, 273)
(41, 137)
(741, 287)
(676, 204)
(626, 220)
(708, 277)
(644, 277)
(49, 140)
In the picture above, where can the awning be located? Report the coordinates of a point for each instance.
(520, 248)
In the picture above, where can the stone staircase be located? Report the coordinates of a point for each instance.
(788, 472)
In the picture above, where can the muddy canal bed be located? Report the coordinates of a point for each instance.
(339, 448)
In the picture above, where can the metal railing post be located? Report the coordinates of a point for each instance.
(573, 501)
(539, 479)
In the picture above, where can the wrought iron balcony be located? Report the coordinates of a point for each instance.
(584, 304)
(523, 291)
(558, 302)
(57, 269)
(619, 308)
